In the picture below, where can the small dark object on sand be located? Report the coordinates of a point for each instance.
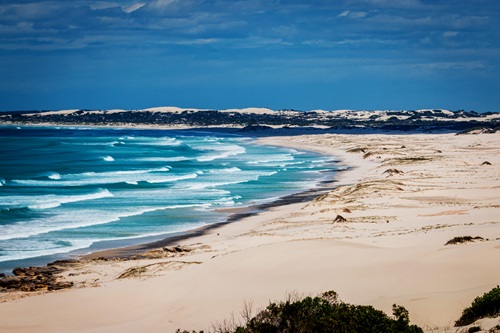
(339, 219)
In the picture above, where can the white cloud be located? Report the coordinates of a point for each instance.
(351, 14)
(257, 42)
(358, 14)
(357, 42)
(162, 4)
(126, 8)
(395, 3)
(132, 8)
(450, 33)
(439, 66)
(103, 5)
(199, 41)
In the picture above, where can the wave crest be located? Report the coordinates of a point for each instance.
(50, 200)
(53, 175)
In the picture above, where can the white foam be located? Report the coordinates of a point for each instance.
(226, 170)
(46, 205)
(115, 143)
(165, 143)
(84, 218)
(70, 220)
(273, 159)
(222, 151)
(159, 142)
(163, 159)
(108, 158)
(243, 177)
(119, 172)
(54, 175)
(51, 200)
(98, 178)
(45, 250)
(207, 205)
(172, 178)
(226, 202)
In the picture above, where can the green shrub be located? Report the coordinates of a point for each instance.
(487, 305)
(325, 313)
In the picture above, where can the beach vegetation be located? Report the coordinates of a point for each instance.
(487, 305)
(479, 129)
(339, 219)
(463, 239)
(133, 272)
(370, 153)
(357, 150)
(412, 159)
(392, 171)
(324, 313)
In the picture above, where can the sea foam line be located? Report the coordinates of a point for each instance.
(238, 180)
(105, 179)
(51, 200)
(163, 159)
(24, 230)
(80, 244)
(25, 254)
(222, 151)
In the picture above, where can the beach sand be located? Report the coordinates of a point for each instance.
(402, 198)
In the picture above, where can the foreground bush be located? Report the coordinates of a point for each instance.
(325, 313)
(484, 306)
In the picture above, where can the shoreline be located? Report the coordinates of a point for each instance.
(243, 213)
(404, 198)
(135, 248)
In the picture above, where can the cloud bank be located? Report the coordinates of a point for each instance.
(339, 47)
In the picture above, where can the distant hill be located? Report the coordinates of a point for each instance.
(389, 120)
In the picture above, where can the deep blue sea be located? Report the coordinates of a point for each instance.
(78, 189)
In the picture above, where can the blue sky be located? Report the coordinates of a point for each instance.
(337, 54)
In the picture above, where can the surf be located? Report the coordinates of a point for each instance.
(76, 188)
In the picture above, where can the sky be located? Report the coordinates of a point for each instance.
(280, 54)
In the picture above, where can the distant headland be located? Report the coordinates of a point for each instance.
(426, 120)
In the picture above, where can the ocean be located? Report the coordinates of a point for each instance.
(72, 190)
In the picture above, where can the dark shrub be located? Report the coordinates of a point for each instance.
(463, 239)
(325, 313)
(487, 305)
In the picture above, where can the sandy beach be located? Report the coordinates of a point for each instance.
(377, 238)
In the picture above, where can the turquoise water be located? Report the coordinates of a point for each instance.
(67, 189)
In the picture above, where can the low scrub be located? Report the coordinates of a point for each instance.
(484, 306)
(463, 239)
(325, 313)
